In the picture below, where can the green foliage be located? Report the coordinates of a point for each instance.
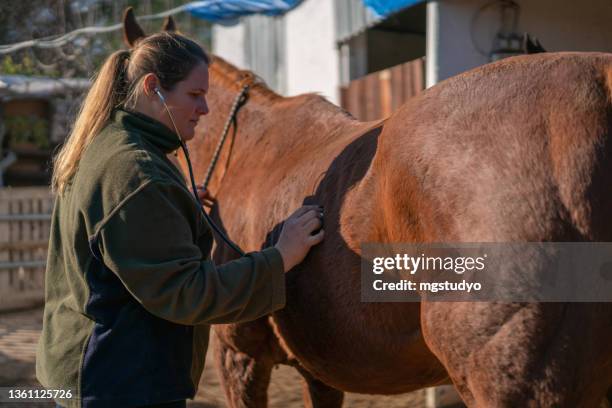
(27, 129)
(80, 58)
(25, 67)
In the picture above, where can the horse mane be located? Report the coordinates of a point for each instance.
(231, 76)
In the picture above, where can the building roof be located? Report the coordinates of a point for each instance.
(228, 10)
(21, 86)
(355, 16)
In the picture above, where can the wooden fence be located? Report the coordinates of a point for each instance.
(377, 95)
(25, 215)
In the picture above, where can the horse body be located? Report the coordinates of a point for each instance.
(519, 150)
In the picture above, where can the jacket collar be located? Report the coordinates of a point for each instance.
(151, 129)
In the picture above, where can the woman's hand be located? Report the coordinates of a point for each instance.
(296, 237)
(205, 197)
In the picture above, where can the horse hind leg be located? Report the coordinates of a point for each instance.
(522, 355)
(317, 394)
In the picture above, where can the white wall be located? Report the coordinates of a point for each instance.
(449, 46)
(312, 57)
(228, 43)
(570, 25)
(561, 25)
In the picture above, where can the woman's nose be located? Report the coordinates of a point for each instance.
(202, 109)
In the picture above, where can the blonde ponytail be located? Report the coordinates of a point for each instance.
(108, 91)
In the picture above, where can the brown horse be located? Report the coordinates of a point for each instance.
(518, 150)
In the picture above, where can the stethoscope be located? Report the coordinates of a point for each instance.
(210, 222)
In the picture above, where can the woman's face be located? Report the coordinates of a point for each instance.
(186, 101)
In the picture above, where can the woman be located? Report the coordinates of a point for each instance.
(130, 289)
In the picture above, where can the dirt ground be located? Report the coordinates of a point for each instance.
(19, 332)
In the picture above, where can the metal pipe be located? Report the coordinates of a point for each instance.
(23, 264)
(24, 217)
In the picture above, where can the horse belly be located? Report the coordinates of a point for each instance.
(361, 347)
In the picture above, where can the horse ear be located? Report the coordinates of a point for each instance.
(531, 46)
(538, 45)
(169, 24)
(132, 32)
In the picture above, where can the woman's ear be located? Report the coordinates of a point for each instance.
(150, 82)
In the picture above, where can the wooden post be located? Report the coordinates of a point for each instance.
(384, 77)
(444, 396)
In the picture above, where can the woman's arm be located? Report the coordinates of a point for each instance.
(148, 242)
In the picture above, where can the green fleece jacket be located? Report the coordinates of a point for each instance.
(130, 288)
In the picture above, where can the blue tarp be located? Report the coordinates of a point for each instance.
(223, 10)
(384, 8)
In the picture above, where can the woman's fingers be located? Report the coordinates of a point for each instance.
(312, 225)
(208, 203)
(300, 212)
(296, 237)
(205, 197)
(316, 238)
(202, 193)
(313, 213)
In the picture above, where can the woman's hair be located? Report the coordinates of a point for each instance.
(168, 55)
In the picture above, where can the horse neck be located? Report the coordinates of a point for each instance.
(270, 118)
(271, 129)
